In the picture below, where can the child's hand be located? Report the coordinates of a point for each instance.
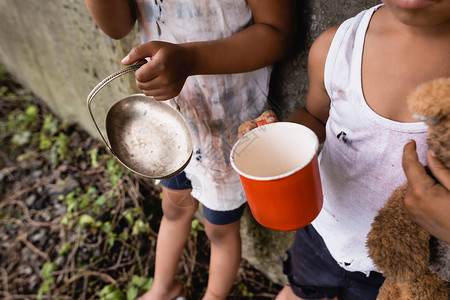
(427, 201)
(164, 75)
(269, 116)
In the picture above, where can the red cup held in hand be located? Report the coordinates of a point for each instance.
(278, 167)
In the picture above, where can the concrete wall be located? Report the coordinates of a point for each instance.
(54, 48)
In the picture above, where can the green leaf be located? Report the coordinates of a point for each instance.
(106, 227)
(65, 248)
(50, 125)
(44, 142)
(132, 292)
(111, 240)
(129, 217)
(47, 269)
(84, 201)
(67, 220)
(94, 157)
(109, 292)
(62, 148)
(44, 288)
(196, 226)
(92, 190)
(245, 292)
(100, 200)
(71, 206)
(140, 226)
(80, 152)
(137, 284)
(124, 235)
(142, 281)
(85, 220)
(31, 112)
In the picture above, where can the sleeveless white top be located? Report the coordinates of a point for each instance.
(213, 105)
(361, 161)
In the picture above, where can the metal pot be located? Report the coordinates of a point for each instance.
(149, 137)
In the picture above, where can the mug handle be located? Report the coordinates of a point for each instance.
(261, 123)
(98, 88)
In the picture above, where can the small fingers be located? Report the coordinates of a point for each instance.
(420, 185)
(139, 52)
(269, 116)
(148, 85)
(413, 169)
(163, 92)
(246, 127)
(159, 94)
(145, 74)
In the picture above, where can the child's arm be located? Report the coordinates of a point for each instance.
(315, 113)
(427, 201)
(261, 44)
(115, 17)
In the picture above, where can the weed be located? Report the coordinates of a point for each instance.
(46, 274)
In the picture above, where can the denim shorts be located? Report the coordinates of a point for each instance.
(314, 274)
(216, 217)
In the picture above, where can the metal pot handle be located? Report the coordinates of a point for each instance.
(98, 88)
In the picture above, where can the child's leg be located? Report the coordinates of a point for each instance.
(179, 208)
(222, 229)
(225, 258)
(287, 294)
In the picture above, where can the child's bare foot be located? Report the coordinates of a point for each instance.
(178, 292)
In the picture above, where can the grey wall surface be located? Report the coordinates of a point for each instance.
(290, 78)
(54, 48)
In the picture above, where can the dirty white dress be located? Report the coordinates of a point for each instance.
(213, 105)
(361, 161)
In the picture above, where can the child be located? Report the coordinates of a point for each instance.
(360, 75)
(239, 39)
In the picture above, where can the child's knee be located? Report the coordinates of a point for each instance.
(222, 233)
(177, 204)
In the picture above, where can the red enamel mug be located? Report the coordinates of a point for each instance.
(278, 168)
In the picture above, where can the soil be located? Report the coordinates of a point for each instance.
(74, 224)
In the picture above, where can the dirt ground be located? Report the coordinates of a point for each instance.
(74, 224)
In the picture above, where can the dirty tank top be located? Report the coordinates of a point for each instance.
(361, 161)
(213, 105)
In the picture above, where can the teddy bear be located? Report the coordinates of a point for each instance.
(415, 264)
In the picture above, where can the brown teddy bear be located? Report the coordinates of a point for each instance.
(415, 264)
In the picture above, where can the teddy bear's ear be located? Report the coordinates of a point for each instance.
(430, 101)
